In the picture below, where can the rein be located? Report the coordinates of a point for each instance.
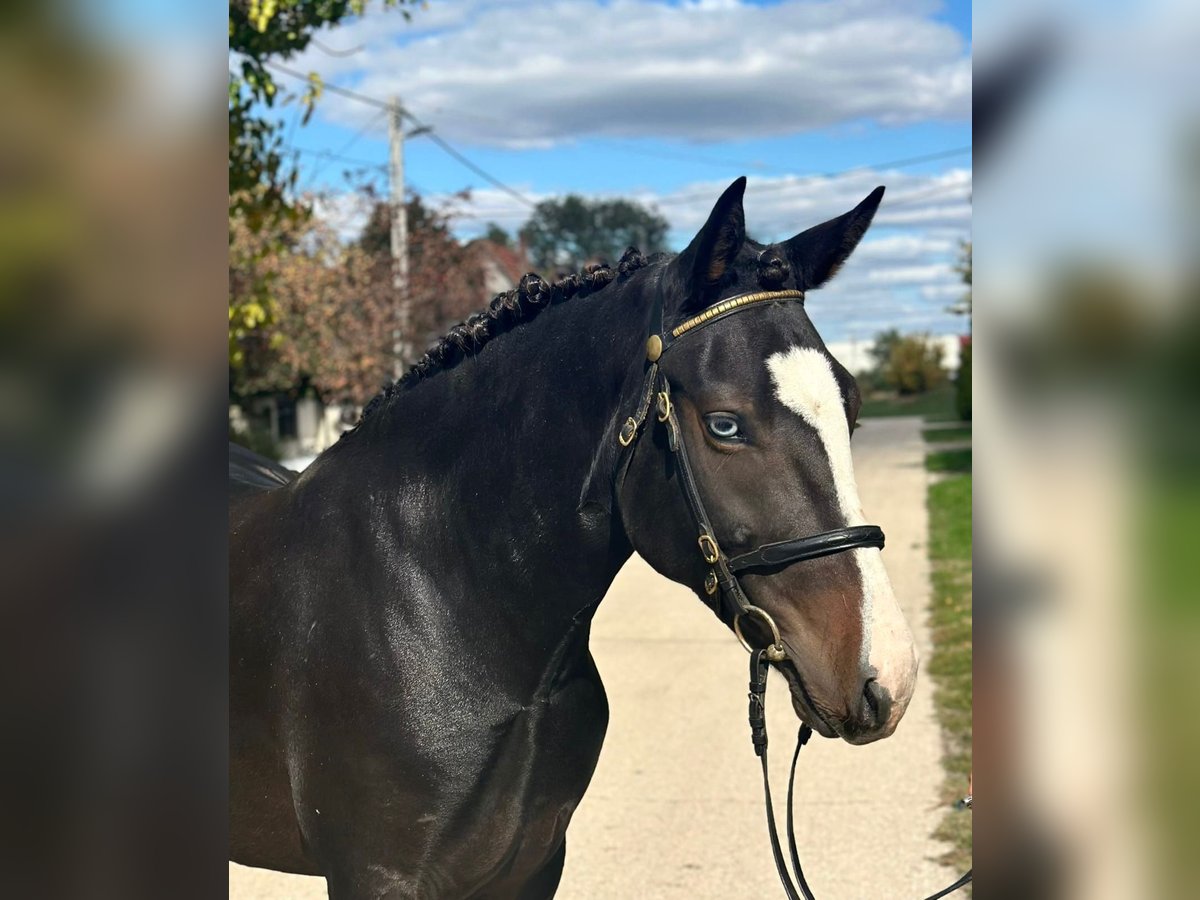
(723, 592)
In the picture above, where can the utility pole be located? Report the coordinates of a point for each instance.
(400, 335)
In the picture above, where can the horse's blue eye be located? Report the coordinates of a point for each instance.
(723, 426)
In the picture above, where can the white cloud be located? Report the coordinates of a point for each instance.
(910, 274)
(526, 73)
(945, 293)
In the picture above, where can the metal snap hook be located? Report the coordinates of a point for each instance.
(775, 652)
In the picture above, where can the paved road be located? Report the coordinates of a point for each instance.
(675, 808)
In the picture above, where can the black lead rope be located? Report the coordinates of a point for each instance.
(801, 739)
(799, 889)
(962, 882)
(758, 734)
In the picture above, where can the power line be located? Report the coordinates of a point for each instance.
(327, 154)
(331, 51)
(488, 177)
(728, 163)
(927, 194)
(733, 163)
(433, 136)
(332, 88)
(775, 186)
(317, 170)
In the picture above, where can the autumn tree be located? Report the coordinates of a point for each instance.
(333, 316)
(443, 283)
(909, 364)
(336, 305)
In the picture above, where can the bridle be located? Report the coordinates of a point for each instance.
(722, 591)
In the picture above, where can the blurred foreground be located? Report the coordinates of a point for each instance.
(1087, 328)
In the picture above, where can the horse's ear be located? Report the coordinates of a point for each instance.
(817, 254)
(708, 260)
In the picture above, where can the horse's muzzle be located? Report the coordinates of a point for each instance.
(872, 719)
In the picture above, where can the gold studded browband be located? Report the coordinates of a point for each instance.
(731, 304)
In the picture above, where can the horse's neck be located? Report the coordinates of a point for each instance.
(490, 458)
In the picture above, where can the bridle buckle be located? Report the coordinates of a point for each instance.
(664, 406)
(709, 549)
(628, 432)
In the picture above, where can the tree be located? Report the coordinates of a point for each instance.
(566, 234)
(963, 306)
(497, 235)
(332, 316)
(962, 381)
(907, 364)
(335, 304)
(881, 350)
(261, 31)
(260, 185)
(914, 366)
(444, 286)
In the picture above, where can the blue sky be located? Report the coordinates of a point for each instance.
(667, 103)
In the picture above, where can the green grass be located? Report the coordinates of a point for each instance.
(944, 435)
(957, 461)
(950, 665)
(935, 406)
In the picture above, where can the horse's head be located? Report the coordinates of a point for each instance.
(766, 414)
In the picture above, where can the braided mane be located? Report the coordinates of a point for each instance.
(506, 311)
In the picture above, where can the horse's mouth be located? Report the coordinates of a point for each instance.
(803, 704)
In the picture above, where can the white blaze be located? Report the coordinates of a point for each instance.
(805, 383)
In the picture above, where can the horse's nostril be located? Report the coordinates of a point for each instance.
(877, 704)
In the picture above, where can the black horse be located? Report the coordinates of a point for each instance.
(414, 711)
